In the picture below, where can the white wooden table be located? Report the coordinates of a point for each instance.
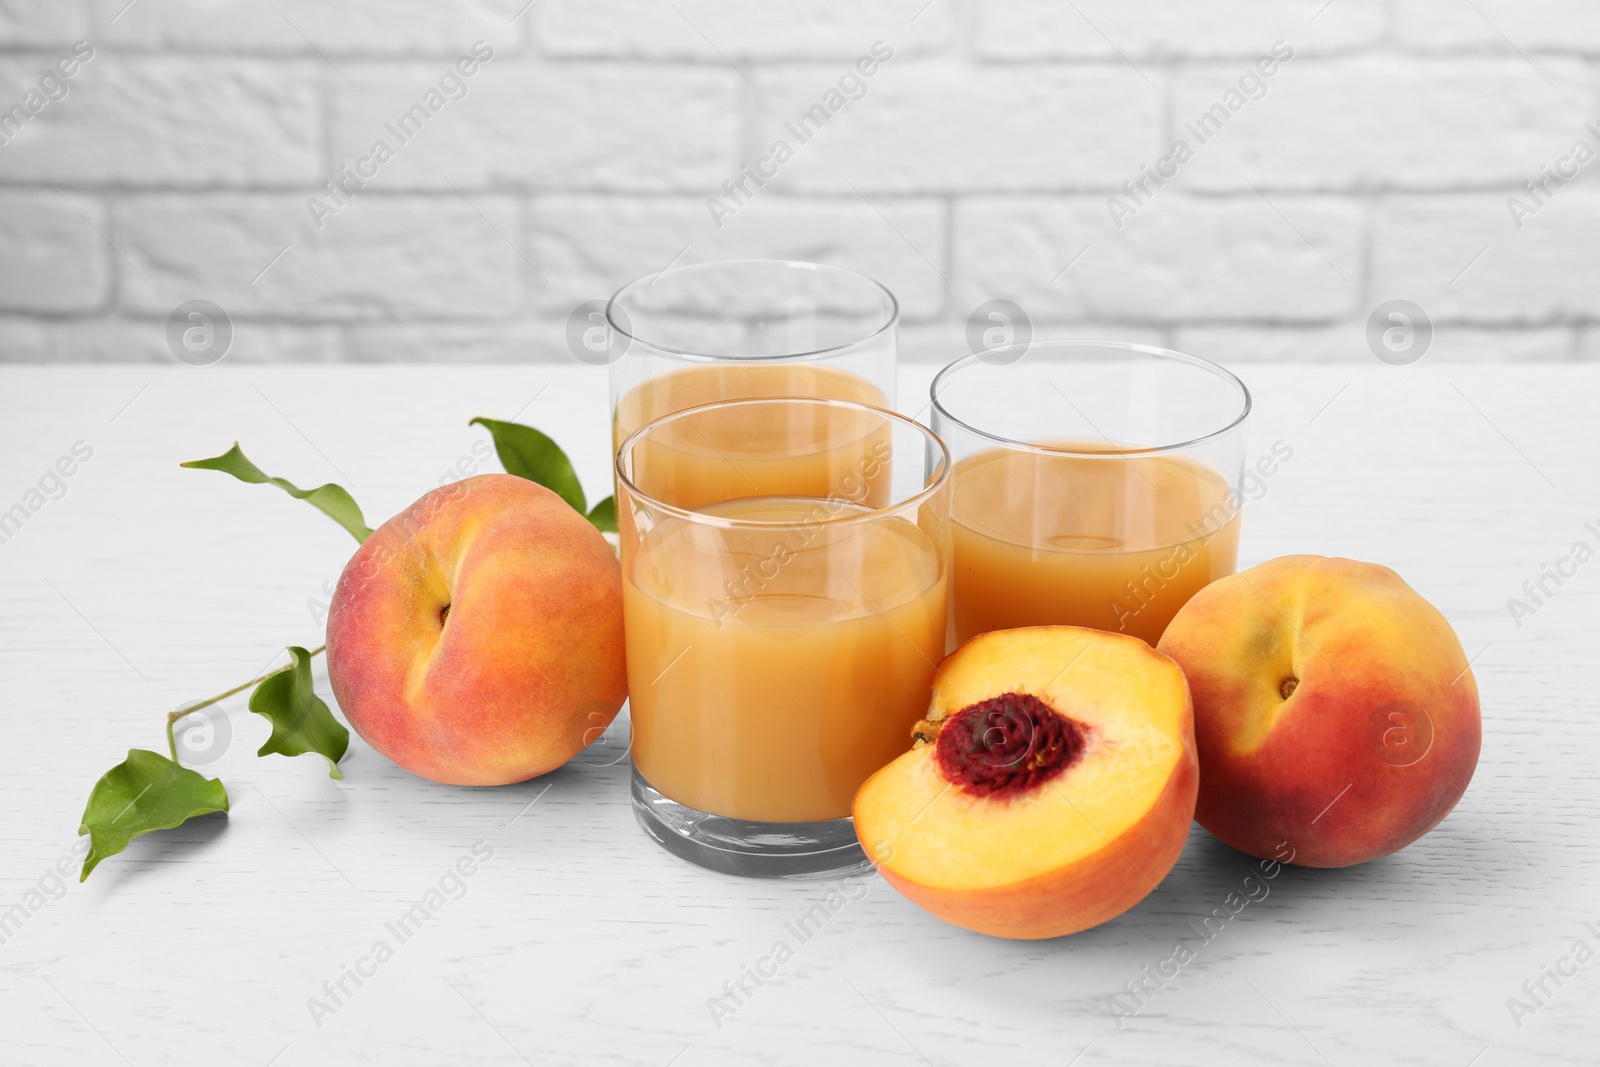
(146, 586)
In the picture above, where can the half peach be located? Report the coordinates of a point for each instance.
(1049, 790)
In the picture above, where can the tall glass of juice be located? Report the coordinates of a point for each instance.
(785, 567)
(1096, 483)
(735, 329)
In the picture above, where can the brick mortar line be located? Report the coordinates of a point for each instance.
(1367, 251)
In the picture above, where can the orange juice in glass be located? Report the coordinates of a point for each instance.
(737, 329)
(781, 644)
(1094, 484)
(788, 458)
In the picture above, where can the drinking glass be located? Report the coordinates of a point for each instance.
(1096, 483)
(734, 329)
(785, 563)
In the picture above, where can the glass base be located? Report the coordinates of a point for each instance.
(744, 847)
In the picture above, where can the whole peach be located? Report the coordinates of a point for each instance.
(476, 637)
(1335, 712)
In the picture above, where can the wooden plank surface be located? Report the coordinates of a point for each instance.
(144, 586)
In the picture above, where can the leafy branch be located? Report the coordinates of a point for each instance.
(148, 791)
(332, 500)
(529, 454)
(174, 716)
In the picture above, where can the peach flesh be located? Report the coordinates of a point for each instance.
(1085, 844)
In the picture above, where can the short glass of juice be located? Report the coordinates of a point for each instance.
(785, 566)
(733, 329)
(1096, 483)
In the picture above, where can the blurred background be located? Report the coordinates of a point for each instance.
(406, 181)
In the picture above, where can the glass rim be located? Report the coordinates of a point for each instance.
(940, 478)
(892, 317)
(1120, 348)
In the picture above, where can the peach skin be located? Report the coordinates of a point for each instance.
(476, 637)
(1334, 709)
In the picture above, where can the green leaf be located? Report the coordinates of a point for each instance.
(145, 792)
(332, 500)
(604, 515)
(301, 722)
(529, 454)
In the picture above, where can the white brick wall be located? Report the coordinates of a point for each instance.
(55, 262)
(177, 163)
(1181, 259)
